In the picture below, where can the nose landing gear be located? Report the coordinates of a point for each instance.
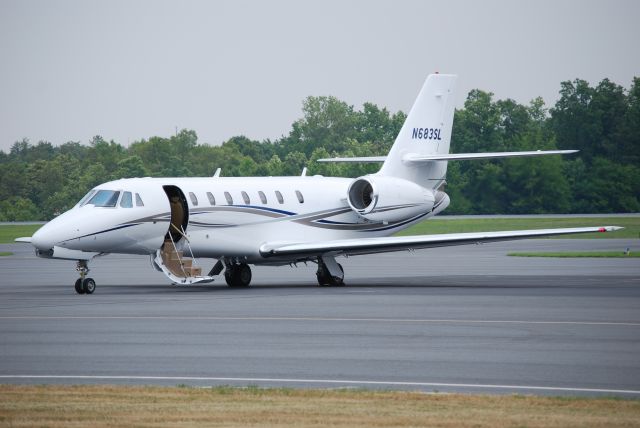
(83, 284)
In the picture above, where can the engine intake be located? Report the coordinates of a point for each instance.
(386, 199)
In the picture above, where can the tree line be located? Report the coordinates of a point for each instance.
(39, 181)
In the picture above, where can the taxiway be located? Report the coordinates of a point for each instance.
(451, 319)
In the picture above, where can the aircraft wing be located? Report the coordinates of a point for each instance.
(399, 243)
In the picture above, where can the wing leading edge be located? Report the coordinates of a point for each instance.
(399, 243)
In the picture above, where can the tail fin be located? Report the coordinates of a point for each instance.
(426, 131)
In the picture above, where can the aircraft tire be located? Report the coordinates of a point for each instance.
(228, 277)
(326, 280)
(89, 285)
(238, 276)
(244, 275)
(78, 286)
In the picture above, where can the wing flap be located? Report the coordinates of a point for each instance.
(399, 243)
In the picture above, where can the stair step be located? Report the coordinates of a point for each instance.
(195, 271)
(176, 263)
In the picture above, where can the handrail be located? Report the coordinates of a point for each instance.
(188, 245)
(180, 231)
(177, 253)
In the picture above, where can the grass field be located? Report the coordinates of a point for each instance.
(439, 225)
(595, 254)
(10, 232)
(115, 406)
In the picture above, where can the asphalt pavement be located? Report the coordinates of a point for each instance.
(466, 319)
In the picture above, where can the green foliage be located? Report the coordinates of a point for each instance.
(40, 181)
(443, 224)
(578, 254)
(18, 208)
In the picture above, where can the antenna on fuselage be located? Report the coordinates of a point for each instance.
(217, 173)
(304, 172)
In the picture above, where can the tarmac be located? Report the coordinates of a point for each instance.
(457, 319)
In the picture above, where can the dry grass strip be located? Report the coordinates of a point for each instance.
(136, 406)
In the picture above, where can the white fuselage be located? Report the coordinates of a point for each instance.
(260, 210)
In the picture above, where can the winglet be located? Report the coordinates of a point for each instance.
(610, 228)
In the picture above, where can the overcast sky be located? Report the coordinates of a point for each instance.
(129, 70)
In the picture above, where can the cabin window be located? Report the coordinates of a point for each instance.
(263, 197)
(212, 199)
(104, 198)
(228, 197)
(86, 197)
(245, 197)
(279, 197)
(127, 200)
(300, 197)
(139, 202)
(194, 200)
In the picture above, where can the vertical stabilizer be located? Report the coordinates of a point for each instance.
(426, 131)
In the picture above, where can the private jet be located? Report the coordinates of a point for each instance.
(279, 220)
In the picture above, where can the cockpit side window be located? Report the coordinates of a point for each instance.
(139, 202)
(104, 198)
(127, 200)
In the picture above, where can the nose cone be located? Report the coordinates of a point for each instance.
(44, 239)
(56, 231)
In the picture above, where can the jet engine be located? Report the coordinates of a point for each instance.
(387, 199)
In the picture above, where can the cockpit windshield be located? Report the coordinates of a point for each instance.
(104, 198)
(86, 197)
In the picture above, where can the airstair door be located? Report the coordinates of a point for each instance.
(171, 258)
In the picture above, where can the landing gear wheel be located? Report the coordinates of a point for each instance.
(89, 285)
(325, 279)
(83, 284)
(78, 286)
(238, 275)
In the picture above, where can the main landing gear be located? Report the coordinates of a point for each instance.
(237, 275)
(330, 273)
(83, 284)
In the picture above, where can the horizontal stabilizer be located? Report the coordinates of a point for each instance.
(416, 158)
(26, 239)
(399, 243)
(360, 159)
(413, 158)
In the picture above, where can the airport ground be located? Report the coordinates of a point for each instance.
(125, 406)
(452, 320)
(457, 319)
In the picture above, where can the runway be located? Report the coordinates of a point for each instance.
(458, 319)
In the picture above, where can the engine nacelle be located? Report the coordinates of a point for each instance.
(379, 198)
